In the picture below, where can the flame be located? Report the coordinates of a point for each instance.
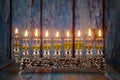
(68, 34)
(79, 34)
(100, 34)
(26, 33)
(46, 33)
(89, 32)
(16, 31)
(57, 34)
(36, 32)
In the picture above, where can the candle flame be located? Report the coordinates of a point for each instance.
(79, 34)
(100, 34)
(89, 32)
(26, 33)
(68, 34)
(57, 34)
(36, 32)
(16, 31)
(46, 33)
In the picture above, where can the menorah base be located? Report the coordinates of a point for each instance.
(36, 65)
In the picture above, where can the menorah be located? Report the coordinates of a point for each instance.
(36, 63)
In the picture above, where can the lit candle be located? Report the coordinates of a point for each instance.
(16, 31)
(46, 44)
(89, 42)
(99, 45)
(46, 33)
(57, 44)
(36, 32)
(79, 34)
(57, 34)
(89, 33)
(68, 44)
(26, 34)
(36, 44)
(25, 46)
(78, 45)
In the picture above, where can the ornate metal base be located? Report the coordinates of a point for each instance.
(31, 64)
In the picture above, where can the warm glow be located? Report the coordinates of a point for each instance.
(46, 33)
(36, 32)
(16, 31)
(100, 34)
(79, 34)
(26, 33)
(68, 34)
(57, 34)
(89, 32)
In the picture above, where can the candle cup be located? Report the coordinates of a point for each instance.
(16, 46)
(57, 47)
(46, 47)
(78, 47)
(25, 47)
(99, 46)
(89, 47)
(68, 47)
(36, 48)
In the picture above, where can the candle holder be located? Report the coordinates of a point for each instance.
(36, 48)
(16, 47)
(26, 46)
(99, 47)
(68, 47)
(46, 47)
(78, 47)
(89, 47)
(57, 47)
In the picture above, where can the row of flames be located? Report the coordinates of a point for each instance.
(57, 33)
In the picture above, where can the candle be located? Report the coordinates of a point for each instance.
(26, 34)
(25, 41)
(57, 42)
(46, 41)
(16, 42)
(25, 46)
(79, 34)
(89, 41)
(99, 45)
(36, 32)
(46, 45)
(36, 41)
(78, 41)
(89, 33)
(68, 41)
(16, 31)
